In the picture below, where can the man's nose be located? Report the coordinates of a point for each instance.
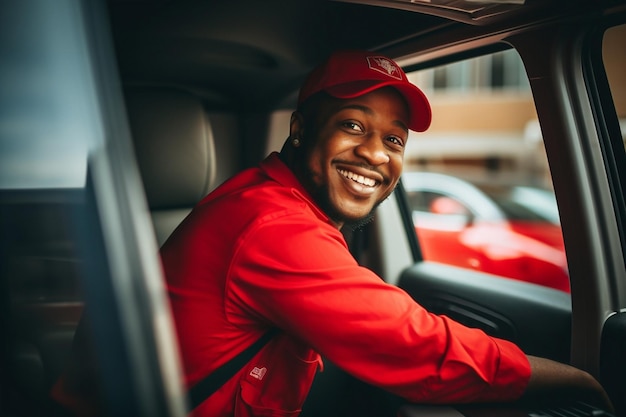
(373, 149)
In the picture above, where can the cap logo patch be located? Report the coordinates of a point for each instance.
(384, 66)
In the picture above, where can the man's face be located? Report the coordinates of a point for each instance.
(354, 160)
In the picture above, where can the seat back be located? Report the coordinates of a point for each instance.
(175, 152)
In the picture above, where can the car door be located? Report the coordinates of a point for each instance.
(73, 227)
(579, 153)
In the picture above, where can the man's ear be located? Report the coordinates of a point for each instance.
(294, 140)
(296, 125)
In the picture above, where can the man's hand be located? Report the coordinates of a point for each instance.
(552, 380)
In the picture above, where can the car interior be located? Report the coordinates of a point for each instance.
(118, 116)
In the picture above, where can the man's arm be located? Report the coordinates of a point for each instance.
(550, 380)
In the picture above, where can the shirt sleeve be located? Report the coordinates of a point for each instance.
(300, 276)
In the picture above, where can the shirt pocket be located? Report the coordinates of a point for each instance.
(278, 380)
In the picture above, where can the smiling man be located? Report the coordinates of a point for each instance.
(264, 251)
(348, 137)
(348, 153)
(261, 266)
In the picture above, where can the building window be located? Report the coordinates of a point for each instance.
(502, 70)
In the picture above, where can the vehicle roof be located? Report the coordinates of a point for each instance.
(254, 55)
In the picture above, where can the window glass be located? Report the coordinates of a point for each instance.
(478, 181)
(501, 70)
(614, 57)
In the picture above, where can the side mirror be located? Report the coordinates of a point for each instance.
(447, 205)
(451, 208)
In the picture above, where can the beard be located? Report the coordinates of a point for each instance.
(321, 196)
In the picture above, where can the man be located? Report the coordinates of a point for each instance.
(265, 251)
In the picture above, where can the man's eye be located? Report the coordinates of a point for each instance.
(353, 126)
(396, 140)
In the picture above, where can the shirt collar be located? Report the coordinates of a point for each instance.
(276, 169)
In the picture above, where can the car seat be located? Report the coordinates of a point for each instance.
(175, 152)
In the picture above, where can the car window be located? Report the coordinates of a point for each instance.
(614, 60)
(478, 182)
(614, 57)
(74, 236)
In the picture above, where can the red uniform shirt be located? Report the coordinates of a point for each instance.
(258, 253)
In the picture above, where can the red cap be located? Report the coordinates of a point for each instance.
(349, 74)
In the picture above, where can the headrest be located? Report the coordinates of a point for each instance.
(173, 146)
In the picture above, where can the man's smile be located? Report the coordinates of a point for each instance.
(358, 178)
(360, 184)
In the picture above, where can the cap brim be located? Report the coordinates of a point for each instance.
(419, 106)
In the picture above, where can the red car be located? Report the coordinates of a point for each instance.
(509, 231)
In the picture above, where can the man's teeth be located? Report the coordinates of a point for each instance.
(358, 178)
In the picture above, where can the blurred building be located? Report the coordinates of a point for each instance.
(484, 120)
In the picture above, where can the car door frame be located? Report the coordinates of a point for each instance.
(580, 132)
